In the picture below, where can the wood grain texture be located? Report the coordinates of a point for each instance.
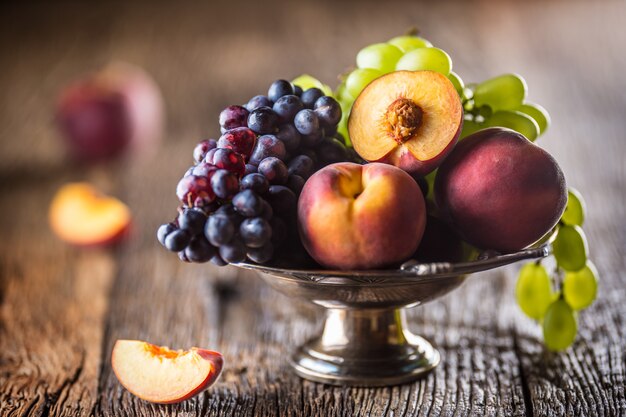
(61, 309)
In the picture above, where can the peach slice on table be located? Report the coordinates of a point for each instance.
(410, 119)
(161, 375)
(81, 215)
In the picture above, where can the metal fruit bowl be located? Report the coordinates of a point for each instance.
(365, 340)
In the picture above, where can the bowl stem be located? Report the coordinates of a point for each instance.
(365, 347)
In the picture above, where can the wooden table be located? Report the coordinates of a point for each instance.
(61, 308)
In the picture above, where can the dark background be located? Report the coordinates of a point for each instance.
(61, 309)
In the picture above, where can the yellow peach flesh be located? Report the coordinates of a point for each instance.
(80, 215)
(161, 375)
(433, 93)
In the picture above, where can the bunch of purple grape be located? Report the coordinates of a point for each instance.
(240, 198)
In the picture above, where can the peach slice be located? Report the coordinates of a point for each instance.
(410, 119)
(161, 375)
(81, 215)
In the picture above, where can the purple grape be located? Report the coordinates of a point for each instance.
(192, 221)
(219, 229)
(204, 169)
(328, 111)
(233, 116)
(311, 141)
(274, 170)
(282, 199)
(224, 183)
(266, 211)
(263, 120)
(310, 96)
(286, 107)
(278, 89)
(240, 140)
(289, 135)
(195, 191)
(208, 158)
(340, 138)
(250, 169)
(301, 165)
(311, 154)
(229, 211)
(306, 122)
(261, 255)
(229, 160)
(177, 240)
(164, 230)
(331, 151)
(255, 232)
(255, 182)
(266, 146)
(233, 252)
(199, 250)
(279, 230)
(259, 101)
(218, 261)
(248, 203)
(202, 148)
(295, 183)
(297, 90)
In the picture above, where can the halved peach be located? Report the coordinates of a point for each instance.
(410, 119)
(161, 375)
(81, 215)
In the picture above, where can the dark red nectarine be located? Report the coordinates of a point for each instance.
(107, 113)
(500, 190)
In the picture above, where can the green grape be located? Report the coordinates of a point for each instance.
(305, 81)
(342, 127)
(533, 290)
(570, 248)
(559, 325)
(457, 82)
(574, 214)
(468, 93)
(538, 113)
(430, 180)
(408, 43)
(580, 287)
(505, 92)
(433, 59)
(515, 120)
(380, 56)
(340, 91)
(359, 79)
(469, 127)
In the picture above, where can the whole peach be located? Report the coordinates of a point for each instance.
(355, 216)
(107, 113)
(500, 191)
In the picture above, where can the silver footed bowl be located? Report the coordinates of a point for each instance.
(365, 340)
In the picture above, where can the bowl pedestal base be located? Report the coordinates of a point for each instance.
(365, 347)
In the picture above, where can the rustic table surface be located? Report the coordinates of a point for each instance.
(61, 308)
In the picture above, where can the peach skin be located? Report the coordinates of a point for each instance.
(355, 216)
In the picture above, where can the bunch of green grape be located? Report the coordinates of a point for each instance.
(575, 277)
(499, 101)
